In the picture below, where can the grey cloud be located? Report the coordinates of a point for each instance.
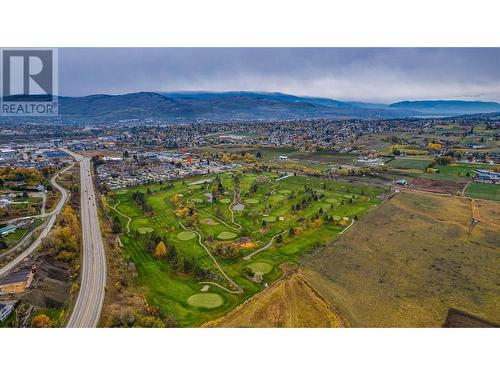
(371, 74)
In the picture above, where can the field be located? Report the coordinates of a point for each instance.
(408, 163)
(230, 247)
(410, 261)
(290, 303)
(483, 191)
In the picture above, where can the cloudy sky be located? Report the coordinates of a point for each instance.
(366, 74)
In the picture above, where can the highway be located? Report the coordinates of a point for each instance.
(53, 216)
(88, 306)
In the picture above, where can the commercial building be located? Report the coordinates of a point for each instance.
(7, 230)
(488, 176)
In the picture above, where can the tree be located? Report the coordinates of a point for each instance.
(161, 250)
(249, 158)
(41, 321)
(116, 226)
(175, 199)
(227, 250)
(226, 158)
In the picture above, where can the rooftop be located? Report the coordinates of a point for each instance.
(15, 277)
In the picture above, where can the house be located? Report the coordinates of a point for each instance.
(17, 282)
(8, 229)
(5, 202)
(5, 311)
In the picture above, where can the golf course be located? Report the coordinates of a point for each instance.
(226, 236)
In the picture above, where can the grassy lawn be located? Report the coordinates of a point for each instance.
(483, 191)
(271, 208)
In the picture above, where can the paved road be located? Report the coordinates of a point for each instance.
(53, 216)
(88, 306)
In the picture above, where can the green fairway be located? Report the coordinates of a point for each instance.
(260, 267)
(308, 219)
(206, 300)
(186, 236)
(226, 235)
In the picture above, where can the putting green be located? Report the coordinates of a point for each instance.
(260, 267)
(225, 200)
(205, 300)
(269, 219)
(331, 200)
(284, 192)
(336, 218)
(226, 235)
(197, 200)
(251, 201)
(186, 235)
(144, 230)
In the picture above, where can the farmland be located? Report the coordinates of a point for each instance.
(484, 191)
(291, 303)
(227, 235)
(411, 260)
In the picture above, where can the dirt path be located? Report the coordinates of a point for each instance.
(465, 188)
(235, 196)
(219, 220)
(476, 214)
(129, 219)
(266, 246)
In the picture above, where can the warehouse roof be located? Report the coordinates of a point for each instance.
(17, 277)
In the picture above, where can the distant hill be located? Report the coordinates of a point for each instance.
(243, 106)
(447, 107)
(199, 106)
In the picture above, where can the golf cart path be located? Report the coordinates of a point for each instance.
(235, 195)
(129, 219)
(266, 246)
(231, 282)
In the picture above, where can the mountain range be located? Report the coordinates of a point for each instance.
(248, 106)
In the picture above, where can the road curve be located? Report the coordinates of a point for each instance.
(87, 309)
(53, 216)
